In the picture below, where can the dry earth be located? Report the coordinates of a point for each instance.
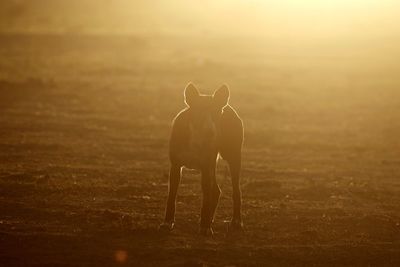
(84, 125)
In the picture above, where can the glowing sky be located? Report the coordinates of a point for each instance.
(283, 18)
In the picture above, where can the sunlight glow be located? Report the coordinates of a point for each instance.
(121, 256)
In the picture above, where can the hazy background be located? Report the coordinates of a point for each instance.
(278, 19)
(88, 90)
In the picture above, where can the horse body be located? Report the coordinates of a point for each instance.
(207, 127)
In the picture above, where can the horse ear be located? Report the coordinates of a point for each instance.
(191, 94)
(221, 96)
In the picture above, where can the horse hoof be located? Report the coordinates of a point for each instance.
(234, 227)
(166, 227)
(206, 231)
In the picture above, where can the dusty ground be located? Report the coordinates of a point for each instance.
(84, 125)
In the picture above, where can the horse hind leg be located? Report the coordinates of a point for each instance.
(235, 168)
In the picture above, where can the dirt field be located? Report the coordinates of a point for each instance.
(84, 126)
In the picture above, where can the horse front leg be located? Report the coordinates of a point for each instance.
(215, 194)
(175, 174)
(207, 209)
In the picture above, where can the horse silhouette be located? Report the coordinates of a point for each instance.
(206, 128)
